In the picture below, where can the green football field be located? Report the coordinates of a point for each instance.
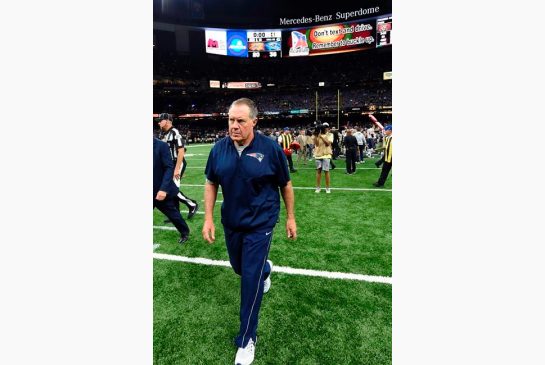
(303, 319)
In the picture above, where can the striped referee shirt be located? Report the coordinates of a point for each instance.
(285, 140)
(174, 140)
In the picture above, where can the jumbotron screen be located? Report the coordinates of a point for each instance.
(295, 42)
(384, 31)
(244, 43)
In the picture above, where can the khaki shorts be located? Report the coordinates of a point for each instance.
(322, 163)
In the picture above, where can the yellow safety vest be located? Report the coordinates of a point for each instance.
(388, 149)
(286, 140)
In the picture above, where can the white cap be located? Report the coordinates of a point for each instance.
(326, 124)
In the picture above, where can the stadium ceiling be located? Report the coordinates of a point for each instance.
(262, 13)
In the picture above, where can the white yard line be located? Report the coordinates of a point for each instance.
(199, 145)
(312, 188)
(282, 269)
(167, 228)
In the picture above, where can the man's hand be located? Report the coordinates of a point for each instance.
(177, 173)
(208, 231)
(291, 228)
(324, 138)
(161, 195)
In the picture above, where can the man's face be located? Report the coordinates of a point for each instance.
(241, 127)
(163, 124)
(388, 132)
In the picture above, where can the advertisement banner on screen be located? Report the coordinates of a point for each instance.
(237, 44)
(384, 31)
(243, 85)
(216, 41)
(332, 38)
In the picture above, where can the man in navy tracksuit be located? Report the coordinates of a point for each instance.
(164, 190)
(251, 169)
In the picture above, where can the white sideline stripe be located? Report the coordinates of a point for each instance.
(313, 188)
(199, 145)
(165, 228)
(284, 270)
(192, 260)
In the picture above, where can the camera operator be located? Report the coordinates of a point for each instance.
(322, 155)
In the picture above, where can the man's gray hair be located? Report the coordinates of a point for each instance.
(249, 103)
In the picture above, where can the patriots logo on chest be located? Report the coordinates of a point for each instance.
(257, 155)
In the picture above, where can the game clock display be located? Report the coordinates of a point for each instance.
(264, 44)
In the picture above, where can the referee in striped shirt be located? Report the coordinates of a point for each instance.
(175, 141)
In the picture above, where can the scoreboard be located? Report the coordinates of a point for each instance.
(264, 43)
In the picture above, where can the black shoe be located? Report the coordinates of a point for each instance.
(294, 170)
(377, 165)
(183, 239)
(377, 185)
(193, 211)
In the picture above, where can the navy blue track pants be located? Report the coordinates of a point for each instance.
(248, 252)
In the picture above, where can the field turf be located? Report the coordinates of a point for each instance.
(303, 319)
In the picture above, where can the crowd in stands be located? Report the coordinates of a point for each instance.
(274, 100)
(183, 82)
(338, 69)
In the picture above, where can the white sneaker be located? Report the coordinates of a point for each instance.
(267, 283)
(327, 191)
(245, 355)
(317, 190)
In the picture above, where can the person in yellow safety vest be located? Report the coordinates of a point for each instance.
(387, 164)
(285, 140)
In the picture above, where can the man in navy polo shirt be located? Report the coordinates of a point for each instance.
(251, 169)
